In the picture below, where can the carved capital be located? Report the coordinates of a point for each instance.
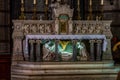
(17, 35)
(38, 41)
(31, 41)
(99, 41)
(92, 41)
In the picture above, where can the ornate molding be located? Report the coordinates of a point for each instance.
(63, 9)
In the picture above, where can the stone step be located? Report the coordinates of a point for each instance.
(66, 77)
(55, 68)
(65, 65)
(64, 71)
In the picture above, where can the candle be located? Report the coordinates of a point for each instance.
(90, 2)
(46, 2)
(22, 1)
(78, 2)
(101, 2)
(34, 2)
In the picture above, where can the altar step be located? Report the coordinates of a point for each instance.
(64, 71)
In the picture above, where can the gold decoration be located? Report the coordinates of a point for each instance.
(34, 17)
(22, 15)
(90, 17)
(46, 12)
(64, 44)
(63, 27)
(115, 46)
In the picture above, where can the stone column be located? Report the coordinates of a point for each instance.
(17, 47)
(38, 51)
(74, 58)
(17, 43)
(31, 57)
(99, 50)
(56, 50)
(92, 56)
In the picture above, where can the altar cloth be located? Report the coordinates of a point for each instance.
(64, 37)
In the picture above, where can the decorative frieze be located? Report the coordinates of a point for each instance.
(75, 27)
(92, 27)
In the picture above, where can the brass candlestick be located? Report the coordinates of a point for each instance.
(46, 11)
(34, 17)
(90, 16)
(22, 15)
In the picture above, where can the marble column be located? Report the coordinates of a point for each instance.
(99, 50)
(74, 58)
(38, 50)
(31, 57)
(92, 56)
(56, 51)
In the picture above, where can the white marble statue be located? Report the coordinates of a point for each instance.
(82, 50)
(70, 22)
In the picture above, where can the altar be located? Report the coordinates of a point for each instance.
(66, 37)
(62, 48)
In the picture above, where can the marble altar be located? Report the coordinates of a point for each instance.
(39, 43)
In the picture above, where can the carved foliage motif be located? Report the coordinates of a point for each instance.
(88, 28)
(37, 28)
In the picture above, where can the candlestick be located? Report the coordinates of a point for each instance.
(46, 2)
(90, 2)
(46, 12)
(34, 17)
(22, 15)
(90, 17)
(22, 1)
(34, 2)
(101, 2)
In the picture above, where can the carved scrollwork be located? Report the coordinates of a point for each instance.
(41, 28)
(33, 28)
(86, 27)
(48, 28)
(37, 28)
(26, 28)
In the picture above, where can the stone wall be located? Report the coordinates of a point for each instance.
(116, 18)
(4, 26)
